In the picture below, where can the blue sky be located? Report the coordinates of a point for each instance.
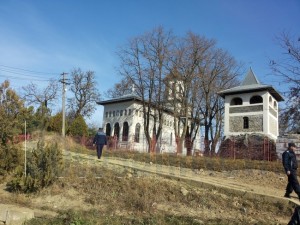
(55, 36)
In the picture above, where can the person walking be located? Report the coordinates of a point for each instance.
(295, 219)
(100, 141)
(290, 165)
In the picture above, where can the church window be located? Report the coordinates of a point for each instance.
(125, 131)
(108, 129)
(246, 122)
(236, 101)
(121, 112)
(117, 130)
(256, 99)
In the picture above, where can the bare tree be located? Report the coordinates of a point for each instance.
(199, 71)
(41, 97)
(288, 68)
(124, 87)
(219, 71)
(188, 54)
(182, 76)
(86, 94)
(144, 62)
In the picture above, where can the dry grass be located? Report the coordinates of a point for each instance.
(112, 197)
(192, 162)
(119, 196)
(196, 163)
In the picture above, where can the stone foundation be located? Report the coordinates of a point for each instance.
(253, 147)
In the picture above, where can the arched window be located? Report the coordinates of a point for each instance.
(117, 130)
(246, 122)
(256, 99)
(137, 133)
(171, 137)
(275, 105)
(108, 129)
(125, 131)
(236, 101)
(270, 100)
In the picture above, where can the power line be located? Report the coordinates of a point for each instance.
(24, 78)
(22, 74)
(31, 71)
(30, 75)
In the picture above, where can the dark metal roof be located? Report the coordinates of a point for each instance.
(125, 98)
(249, 85)
(250, 79)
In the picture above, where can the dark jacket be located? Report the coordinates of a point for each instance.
(100, 138)
(295, 219)
(289, 160)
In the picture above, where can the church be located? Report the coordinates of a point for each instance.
(123, 123)
(250, 122)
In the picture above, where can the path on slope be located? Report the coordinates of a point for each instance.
(252, 182)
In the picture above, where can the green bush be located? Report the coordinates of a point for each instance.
(78, 127)
(55, 123)
(44, 164)
(11, 156)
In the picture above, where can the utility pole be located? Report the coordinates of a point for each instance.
(64, 83)
(25, 169)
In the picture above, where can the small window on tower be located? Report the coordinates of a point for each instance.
(246, 122)
(236, 101)
(256, 99)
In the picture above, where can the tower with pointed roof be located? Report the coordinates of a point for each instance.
(251, 108)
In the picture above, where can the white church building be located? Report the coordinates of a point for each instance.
(123, 123)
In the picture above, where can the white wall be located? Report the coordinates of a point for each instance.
(166, 143)
(270, 122)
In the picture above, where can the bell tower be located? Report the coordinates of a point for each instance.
(251, 108)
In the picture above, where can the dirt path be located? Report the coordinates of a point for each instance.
(256, 182)
(252, 182)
